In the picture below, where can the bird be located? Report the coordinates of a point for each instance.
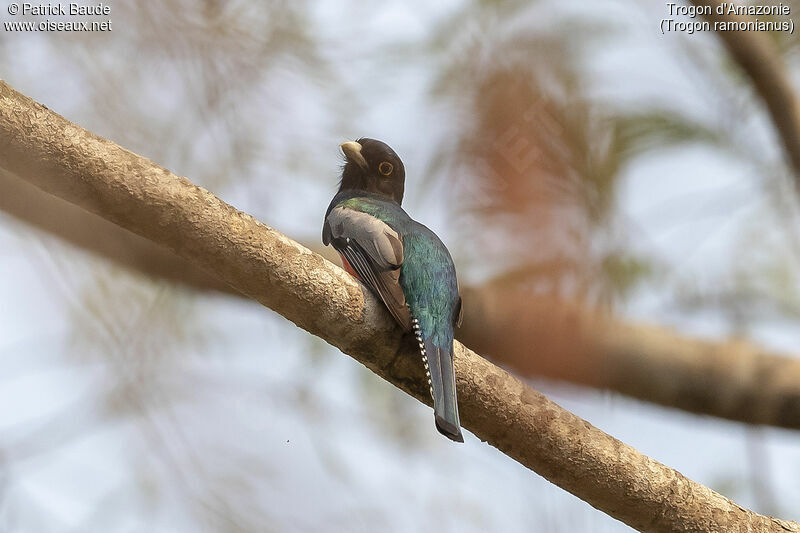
(401, 261)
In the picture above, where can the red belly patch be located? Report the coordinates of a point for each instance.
(348, 268)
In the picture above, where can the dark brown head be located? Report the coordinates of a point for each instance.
(373, 166)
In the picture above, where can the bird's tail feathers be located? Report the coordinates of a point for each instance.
(438, 363)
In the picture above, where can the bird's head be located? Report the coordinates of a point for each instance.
(373, 166)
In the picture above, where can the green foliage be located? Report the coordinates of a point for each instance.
(637, 133)
(625, 272)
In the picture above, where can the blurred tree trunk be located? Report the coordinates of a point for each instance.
(131, 191)
(99, 236)
(759, 59)
(562, 340)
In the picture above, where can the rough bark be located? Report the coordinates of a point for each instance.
(68, 161)
(759, 59)
(534, 337)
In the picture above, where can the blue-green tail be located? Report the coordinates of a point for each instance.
(438, 361)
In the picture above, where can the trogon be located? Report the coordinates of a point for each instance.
(403, 262)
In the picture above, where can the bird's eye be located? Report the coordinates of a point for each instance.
(385, 168)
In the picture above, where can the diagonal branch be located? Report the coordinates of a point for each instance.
(758, 57)
(543, 337)
(68, 161)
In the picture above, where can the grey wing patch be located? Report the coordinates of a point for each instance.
(378, 240)
(375, 251)
(384, 283)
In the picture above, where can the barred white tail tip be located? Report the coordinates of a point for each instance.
(418, 335)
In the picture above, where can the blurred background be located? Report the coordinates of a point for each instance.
(568, 153)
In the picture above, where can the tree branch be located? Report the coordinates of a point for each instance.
(67, 161)
(535, 337)
(758, 58)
